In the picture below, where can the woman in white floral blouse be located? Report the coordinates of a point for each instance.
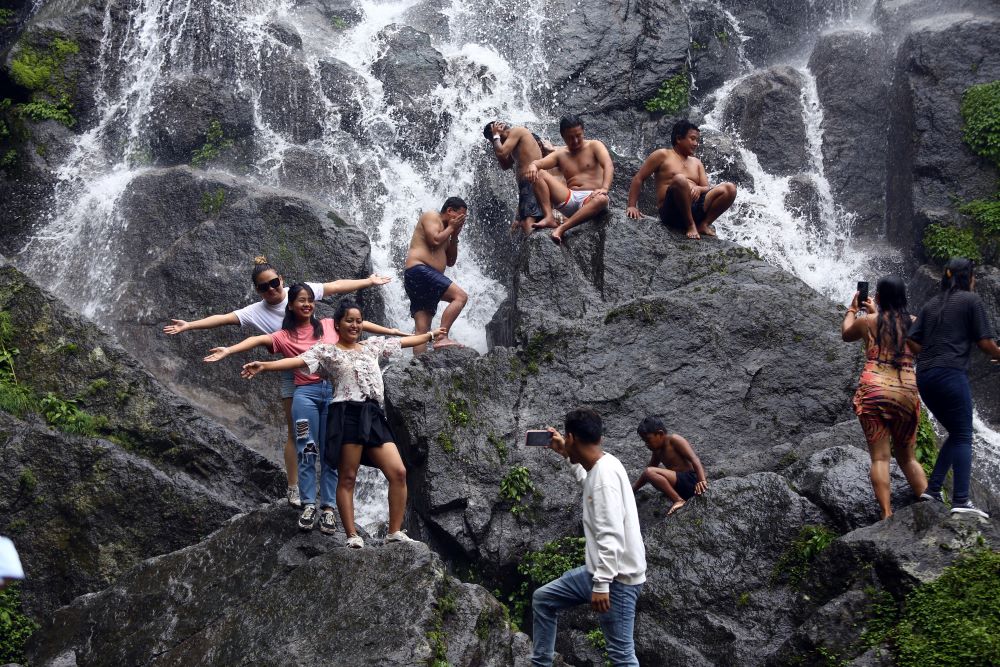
(356, 425)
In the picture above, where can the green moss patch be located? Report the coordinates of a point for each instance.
(672, 96)
(43, 71)
(15, 627)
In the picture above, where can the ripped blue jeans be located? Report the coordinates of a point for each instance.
(309, 407)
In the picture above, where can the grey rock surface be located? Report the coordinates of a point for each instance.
(714, 51)
(604, 56)
(929, 166)
(765, 110)
(300, 597)
(196, 257)
(897, 18)
(339, 83)
(853, 73)
(803, 199)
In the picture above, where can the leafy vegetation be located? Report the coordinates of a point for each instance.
(15, 627)
(7, 17)
(808, 544)
(66, 416)
(15, 398)
(514, 486)
(981, 113)
(212, 202)
(672, 96)
(499, 445)
(215, 143)
(43, 72)
(437, 637)
(458, 412)
(942, 242)
(926, 450)
(540, 567)
(949, 622)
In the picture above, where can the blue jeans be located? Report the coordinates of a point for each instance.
(946, 393)
(574, 588)
(309, 407)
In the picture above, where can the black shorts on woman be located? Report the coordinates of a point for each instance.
(355, 423)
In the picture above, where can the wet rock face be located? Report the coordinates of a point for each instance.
(409, 70)
(179, 609)
(852, 71)
(714, 50)
(631, 320)
(339, 82)
(765, 110)
(182, 118)
(778, 29)
(929, 166)
(899, 17)
(193, 256)
(612, 56)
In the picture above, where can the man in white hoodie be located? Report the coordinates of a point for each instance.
(616, 557)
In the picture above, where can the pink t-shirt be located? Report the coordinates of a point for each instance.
(293, 343)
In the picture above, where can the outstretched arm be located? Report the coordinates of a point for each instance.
(344, 286)
(647, 169)
(685, 449)
(210, 322)
(220, 353)
(289, 364)
(423, 339)
(371, 327)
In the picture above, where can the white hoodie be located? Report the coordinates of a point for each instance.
(611, 525)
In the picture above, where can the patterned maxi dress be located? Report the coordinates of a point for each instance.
(887, 402)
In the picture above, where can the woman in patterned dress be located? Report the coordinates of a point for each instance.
(356, 424)
(887, 402)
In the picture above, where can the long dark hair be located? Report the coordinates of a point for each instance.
(289, 324)
(893, 320)
(957, 276)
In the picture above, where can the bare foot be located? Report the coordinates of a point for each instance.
(676, 506)
(444, 341)
(707, 231)
(693, 235)
(557, 237)
(545, 223)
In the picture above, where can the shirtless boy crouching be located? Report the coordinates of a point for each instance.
(685, 199)
(681, 476)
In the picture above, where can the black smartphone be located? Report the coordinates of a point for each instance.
(538, 439)
(862, 292)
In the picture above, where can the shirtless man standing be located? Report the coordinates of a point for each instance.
(685, 199)
(516, 146)
(681, 475)
(587, 167)
(434, 247)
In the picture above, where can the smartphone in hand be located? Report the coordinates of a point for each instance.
(538, 438)
(862, 292)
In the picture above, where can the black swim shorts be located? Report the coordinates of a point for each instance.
(670, 213)
(424, 286)
(527, 204)
(685, 483)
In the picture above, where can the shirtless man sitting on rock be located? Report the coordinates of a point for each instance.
(586, 165)
(434, 247)
(518, 147)
(681, 475)
(685, 199)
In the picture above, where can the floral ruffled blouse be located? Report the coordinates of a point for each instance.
(355, 373)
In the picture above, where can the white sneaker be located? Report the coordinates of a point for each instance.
(293, 497)
(968, 508)
(399, 536)
(355, 542)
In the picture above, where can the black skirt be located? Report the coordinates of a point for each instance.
(355, 423)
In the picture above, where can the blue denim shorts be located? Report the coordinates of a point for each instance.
(287, 384)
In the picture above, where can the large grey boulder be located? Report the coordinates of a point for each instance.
(777, 30)
(714, 49)
(629, 319)
(604, 56)
(896, 18)
(340, 84)
(765, 111)
(410, 69)
(929, 165)
(304, 599)
(191, 256)
(852, 71)
(182, 115)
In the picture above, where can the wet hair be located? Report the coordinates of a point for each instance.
(893, 319)
(569, 122)
(288, 323)
(585, 425)
(260, 265)
(488, 130)
(680, 130)
(345, 305)
(651, 425)
(454, 203)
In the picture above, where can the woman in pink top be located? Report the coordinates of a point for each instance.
(358, 426)
(300, 330)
